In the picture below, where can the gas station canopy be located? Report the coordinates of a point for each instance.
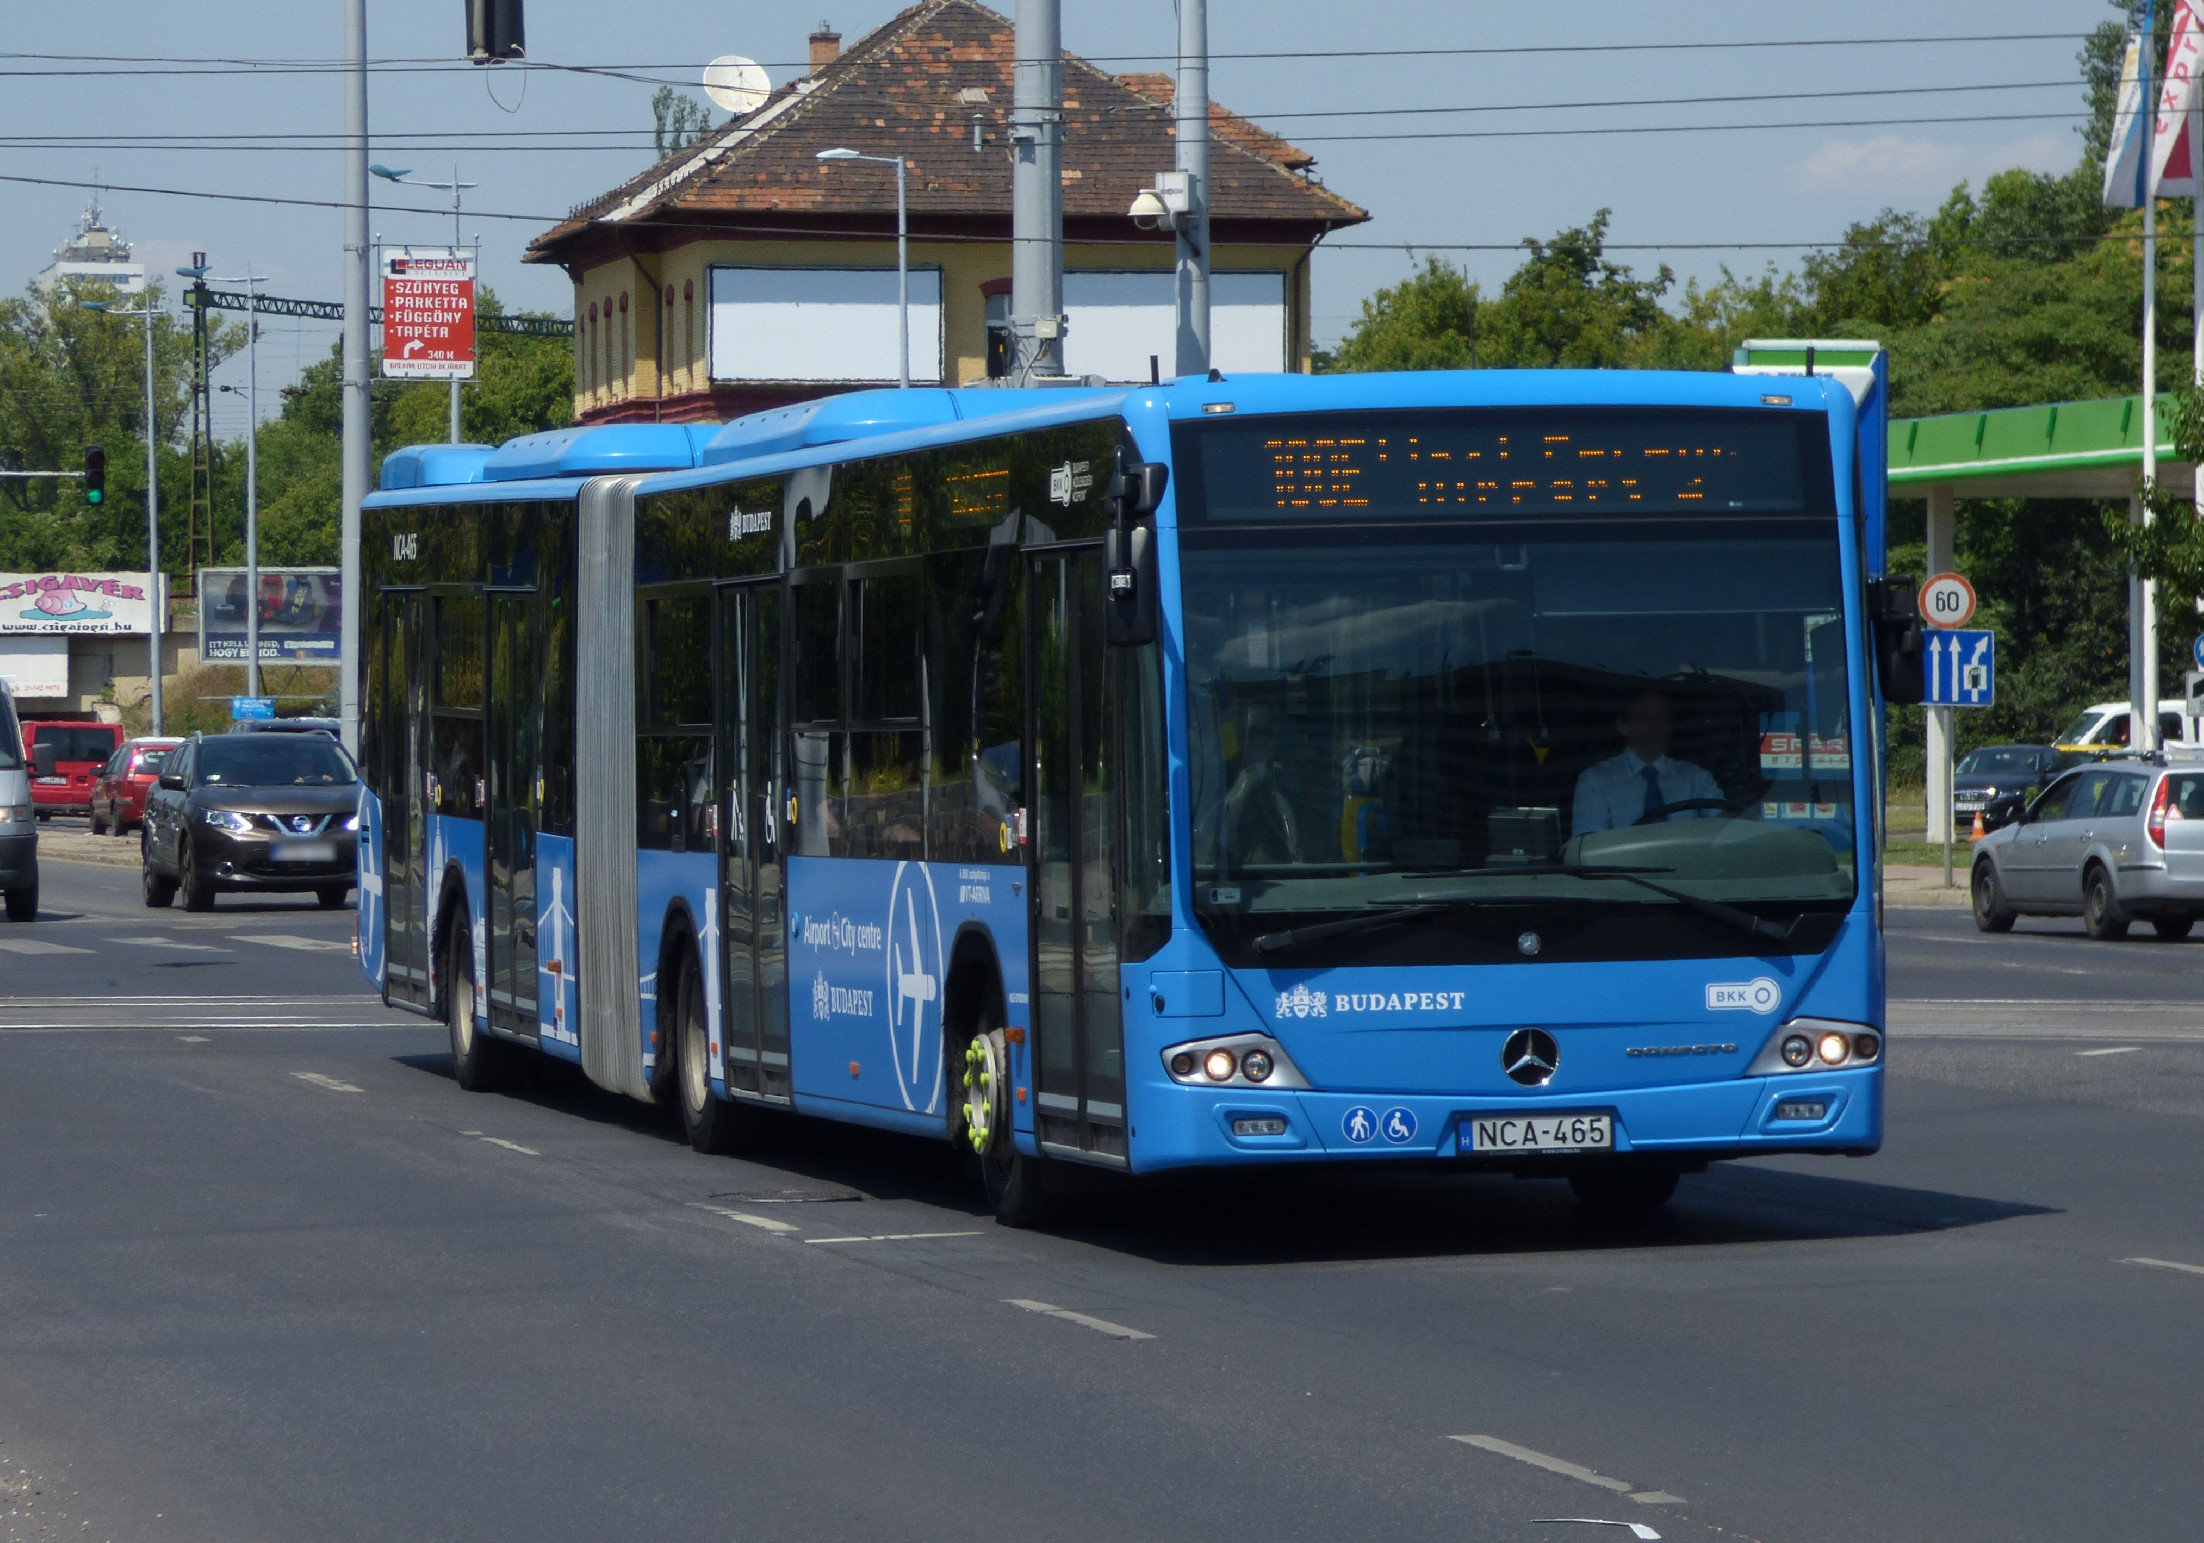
(2060, 450)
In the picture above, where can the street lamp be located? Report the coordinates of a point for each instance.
(406, 178)
(252, 283)
(902, 257)
(152, 499)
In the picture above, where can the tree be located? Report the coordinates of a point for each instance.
(677, 120)
(1428, 321)
(1568, 307)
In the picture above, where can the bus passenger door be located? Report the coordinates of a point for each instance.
(1079, 1036)
(754, 963)
(404, 793)
(509, 835)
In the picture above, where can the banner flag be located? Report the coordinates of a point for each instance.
(2173, 161)
(2124, 158)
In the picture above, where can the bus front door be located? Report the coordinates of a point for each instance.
(1079, 1035)
(404, 789)
(754, 962)
(509, 837)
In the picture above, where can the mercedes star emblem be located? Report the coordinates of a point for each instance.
(1530, 1057)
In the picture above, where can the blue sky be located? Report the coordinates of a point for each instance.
(1756, 184)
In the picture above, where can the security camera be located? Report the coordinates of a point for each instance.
(1149, 211)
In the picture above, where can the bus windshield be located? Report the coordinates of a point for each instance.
(1548, 735)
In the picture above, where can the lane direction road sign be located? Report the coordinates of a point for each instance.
(1947, 600)
(2196, 650)
(1961, 668)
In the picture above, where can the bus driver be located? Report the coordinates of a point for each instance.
(1641, 784)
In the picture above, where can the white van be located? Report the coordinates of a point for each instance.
(2103, 726)
(18, 825)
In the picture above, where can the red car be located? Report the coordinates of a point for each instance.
(65, 758)
(118, 793)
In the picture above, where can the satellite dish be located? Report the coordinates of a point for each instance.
(739, 85)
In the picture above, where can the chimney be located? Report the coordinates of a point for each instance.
(826, 47)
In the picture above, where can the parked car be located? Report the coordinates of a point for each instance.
(2113, 843)
(1995, 771)
(18, 827)
(118, 793)
(268, 812)
(2102, 727)
(65, 761)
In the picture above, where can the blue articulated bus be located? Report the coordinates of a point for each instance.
(1478, 768)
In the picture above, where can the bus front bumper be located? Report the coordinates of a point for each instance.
(1833, 1112)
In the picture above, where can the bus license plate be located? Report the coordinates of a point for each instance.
(1538, 1133)
(305, 852)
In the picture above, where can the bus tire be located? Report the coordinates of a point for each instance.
(714, 1126)
(480, 1064)
(1991, 913)
(2102, 915)
(1017, 1185)
(1621, 1186)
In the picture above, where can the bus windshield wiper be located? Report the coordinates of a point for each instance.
(1730, 915)
(1734, 916)
(1276, 942)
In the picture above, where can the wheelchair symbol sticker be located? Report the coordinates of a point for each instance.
(1359, 1124)
(1398, 1126)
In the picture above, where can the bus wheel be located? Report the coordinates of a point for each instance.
(1620, 1186)
(480, 1064)
(714, 1126)
(1017, 1185)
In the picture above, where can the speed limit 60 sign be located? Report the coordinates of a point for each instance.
(1947, 600)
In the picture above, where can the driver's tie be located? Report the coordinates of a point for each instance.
(1655, 805)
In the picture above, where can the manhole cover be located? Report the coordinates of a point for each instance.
(787, 1196)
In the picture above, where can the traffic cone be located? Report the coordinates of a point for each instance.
(1979, 832)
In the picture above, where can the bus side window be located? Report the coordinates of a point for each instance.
(673, 777)
(458, 705)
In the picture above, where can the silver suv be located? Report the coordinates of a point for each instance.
(2116, 843)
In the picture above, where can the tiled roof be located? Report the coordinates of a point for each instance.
(915, 87)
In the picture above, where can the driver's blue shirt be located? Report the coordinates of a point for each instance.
(1613, 793)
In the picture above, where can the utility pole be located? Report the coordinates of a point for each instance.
(1190, 98)
(1037, 193)
(357, 447)
(149, 313)
(199, 511)
(252, 283)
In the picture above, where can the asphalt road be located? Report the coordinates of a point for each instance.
(266, 1273)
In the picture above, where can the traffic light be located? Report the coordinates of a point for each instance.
(95, 474)
(494, 32)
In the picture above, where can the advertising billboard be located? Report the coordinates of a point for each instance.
(301, 615)
(62, 602)
(428, 313)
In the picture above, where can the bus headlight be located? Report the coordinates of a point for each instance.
(1816, 1044)
(1233, 1060)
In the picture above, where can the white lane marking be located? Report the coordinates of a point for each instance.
(292, 940)
(193, 1039)
(763, 1223)
(894, 1237)
(1637, 1529)
(510, 1146)
(176, 943)
(2167, 1264)
(1099, 1325)
(1569, 1470)
(39, 946)
(2114, 1050)
(328, 1083)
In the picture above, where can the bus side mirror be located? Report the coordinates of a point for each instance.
(1129, 551)
(1894, 609)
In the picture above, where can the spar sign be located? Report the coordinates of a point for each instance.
(428, 313)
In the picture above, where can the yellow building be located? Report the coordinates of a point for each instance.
(742, 272)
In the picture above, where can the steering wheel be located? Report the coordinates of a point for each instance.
(1659, 815)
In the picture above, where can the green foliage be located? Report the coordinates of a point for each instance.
(1428, 321)
(678, 120)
